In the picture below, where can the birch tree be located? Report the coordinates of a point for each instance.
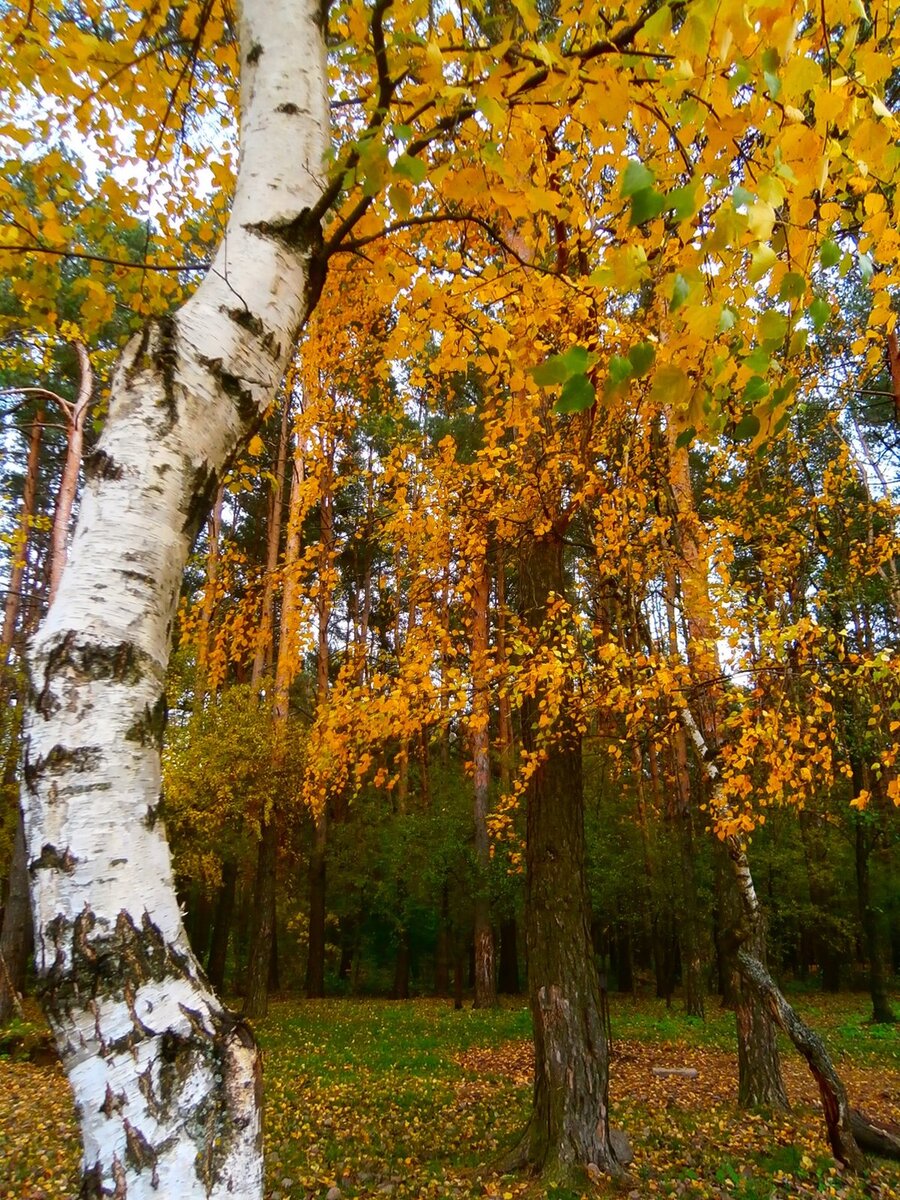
(167, 1082)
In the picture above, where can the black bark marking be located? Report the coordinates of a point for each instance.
(290, 109)
(247, 320)
(200, 493)
(113, 1102)
(138, 1151)
(99, 465)
(234, 388)
(121, 663)
(157, 352)
(254, 54)
(150, 727)
(167, 361)
(51, 859)
(59, 760)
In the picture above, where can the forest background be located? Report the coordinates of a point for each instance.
(586, 457)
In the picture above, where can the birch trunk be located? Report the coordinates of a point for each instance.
(838, 1120)
(166, 1081)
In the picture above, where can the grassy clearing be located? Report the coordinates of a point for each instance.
(416, 1100)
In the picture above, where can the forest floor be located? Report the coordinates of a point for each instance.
(394, 1100)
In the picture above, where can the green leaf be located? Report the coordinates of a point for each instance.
(727, 321)
(645, 205)
(493, 110)
(756, 389)
(400, 201)
(620, 369)
(577, 395)
(681, 289)
(829, 253)
(551, 371)
(685, 437)
(866, 267)
(746, 428)
(798, 340)
(636, 178)
(577, 360)
(641, 358)
(559, 368)
(773, 325)
(682, 202)
(413, 169)
(819, 312)
(793, 286)
(741, 196)
(758, 361)
(773, 83)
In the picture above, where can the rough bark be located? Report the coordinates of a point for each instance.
(26, 515)
(568, 1130)
(508, 981)
(218, 950)
(15, 940)
(485, 975)
(166, 1081)
(76, 415)
(869, 917)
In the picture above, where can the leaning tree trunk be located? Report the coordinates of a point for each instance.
(838, 1116)
(569, 1125)
(166, 1081)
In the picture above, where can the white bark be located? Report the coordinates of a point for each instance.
(166, 1080)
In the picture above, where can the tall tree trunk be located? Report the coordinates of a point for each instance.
(202, 683)
(263, 652)
(485, 979)
(15, 940)
(508, 981)
(318, 858)
(166, 1081)
(569, 1125)
(263, 911)
(882, 1013)
(76, 415)
(20, 550)
(218, 949)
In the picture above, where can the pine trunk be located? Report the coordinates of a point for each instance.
(485, 976)
(15, 940)
(218, 950)
(166, 1081)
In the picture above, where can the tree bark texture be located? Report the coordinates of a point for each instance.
(221, 931)
(755, 976)
(166, 1081)
(15, 939)
(485, 975)
(76, 415)
(569, 1124)
(26, 515)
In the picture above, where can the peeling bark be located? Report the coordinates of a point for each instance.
(166, 1081)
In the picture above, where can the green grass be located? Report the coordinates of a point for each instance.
(369, 1096)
